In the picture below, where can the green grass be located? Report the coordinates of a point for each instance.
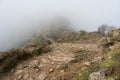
(109, 63)
(15, 57)
(84, 75)
(112, 58)
(9, 63)
(110, 78)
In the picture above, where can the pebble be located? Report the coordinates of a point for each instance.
(25, 66)
(51, 70)
(34, 62)
(52, 63)
(87, 63)
(18, 72)
(62, 71)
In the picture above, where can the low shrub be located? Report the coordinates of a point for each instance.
(84, 75)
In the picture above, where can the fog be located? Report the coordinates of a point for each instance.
(19, 19)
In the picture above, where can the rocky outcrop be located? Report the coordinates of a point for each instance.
(115, 34)
(59, 61)
(105, 42)
(99, 75)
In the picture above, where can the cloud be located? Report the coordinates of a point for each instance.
(20, 18)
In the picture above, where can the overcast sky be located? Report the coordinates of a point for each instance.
(18, 18)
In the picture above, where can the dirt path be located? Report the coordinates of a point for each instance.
(51, 66)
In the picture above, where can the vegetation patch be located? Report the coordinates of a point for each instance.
(110, 78)
(18, 55)
(13, 59)
(80, 56)
(109, 63)
(112, 58)
(84, 74)
(37, 51)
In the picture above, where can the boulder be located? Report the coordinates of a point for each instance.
(97, 76)
(105, 42)
(115, 34)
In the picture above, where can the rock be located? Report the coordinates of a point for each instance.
(30, 79)
(77, 63)
(37, 69)
(104, 43)
(43, 60)
(110, 57)
(52, 63)
(58, 67)
(51, 70)
(20, 66)
(62, 71)
(47, 79)
(20, 77)
(117, 78)
(97, 59)
(87, 63)
(25, 66)
(12, 70)
(34, 63)
(18, 72)
(40, 66)
(80, 74)
(42, 76)
(97, 76)
(25, 76)
(116, 34)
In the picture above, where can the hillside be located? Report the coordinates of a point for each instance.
(64, 55)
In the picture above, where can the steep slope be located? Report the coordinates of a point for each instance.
(71, 56)
(50, 65)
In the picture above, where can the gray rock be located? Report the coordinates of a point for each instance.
(116, 34)
(97, 76)
(103, 42)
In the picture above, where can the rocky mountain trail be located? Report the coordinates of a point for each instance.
(54, 65)
(89, 58)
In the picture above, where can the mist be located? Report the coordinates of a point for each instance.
(20, 19)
